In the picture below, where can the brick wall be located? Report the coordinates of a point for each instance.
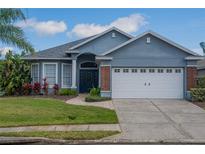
(191, 77)
(105, 78)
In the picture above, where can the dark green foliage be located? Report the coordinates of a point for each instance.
(14, 73)
(198, 94)
(69, 92)
(95, 92)
(11, 34)
(201, 82)
(96, 98)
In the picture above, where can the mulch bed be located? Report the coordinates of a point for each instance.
(59, 97)
(200, 104)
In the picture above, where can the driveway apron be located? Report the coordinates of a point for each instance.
(159, 120)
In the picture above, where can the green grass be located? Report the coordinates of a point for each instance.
(19, 111)
(72, 135)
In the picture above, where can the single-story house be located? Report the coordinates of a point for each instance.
(146, 66)
(201, 68)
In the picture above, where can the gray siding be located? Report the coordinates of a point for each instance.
(103, 43)
(156, 54)
(201, 73)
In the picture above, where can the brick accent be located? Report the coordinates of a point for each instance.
(191, 77)
(105, 78)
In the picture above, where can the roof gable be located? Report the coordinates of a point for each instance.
(99, 35)
(155, 35)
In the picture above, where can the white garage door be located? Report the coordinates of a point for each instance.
(147, 83)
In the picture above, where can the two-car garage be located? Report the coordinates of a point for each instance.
(147, 83)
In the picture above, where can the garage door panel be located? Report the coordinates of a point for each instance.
(147, 85)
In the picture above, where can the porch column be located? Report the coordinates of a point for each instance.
(74, 74)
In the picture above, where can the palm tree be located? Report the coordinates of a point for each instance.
(11, 34)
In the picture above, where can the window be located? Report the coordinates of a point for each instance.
(89, 65)
(151, 70)
(134, 70)
(160, 70)
(35, 72)
(66, 75)
(113, 34)
(125, 70)
(50, 72)
(177, 70)
(117, 70)
(169, 70)
(148, 40)
(143, 70)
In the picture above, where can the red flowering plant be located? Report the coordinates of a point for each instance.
(45, 86)
(55, 89)
(27, 88)
(36, 88)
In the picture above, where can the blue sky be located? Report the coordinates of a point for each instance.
(50, 27)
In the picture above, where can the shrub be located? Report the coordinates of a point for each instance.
(36, 88)
(95, 92)
(55, 89)
(96, 98)
(27, 88)
(14, 72)
(198, 94)
(45, 86)
(201, 82)
(69, 92)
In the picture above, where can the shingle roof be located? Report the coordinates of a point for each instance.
(55, 52)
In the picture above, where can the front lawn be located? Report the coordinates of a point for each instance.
(72, 135)
(22, 111)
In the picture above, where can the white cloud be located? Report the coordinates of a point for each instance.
(4, 50)
(49, 27)
(129, 24)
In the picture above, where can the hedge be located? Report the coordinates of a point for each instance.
(198, 94)
(96, 99)
(69, 92)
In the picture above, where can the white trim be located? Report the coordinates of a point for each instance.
(63, 86)
(156, 35)
(103, 58)
(191, 66)
(100, 34)
(38, 71)
(194, 58)
(72, 51)
(51, 86)
(200, 68)
(74, 72)
(105, 65)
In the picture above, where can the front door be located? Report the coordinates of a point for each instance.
(88, 80)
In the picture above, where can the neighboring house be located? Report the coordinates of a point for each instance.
(201, 68)
(123, 66)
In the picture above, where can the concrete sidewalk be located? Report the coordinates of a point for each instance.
(90, 127)
(80, 100)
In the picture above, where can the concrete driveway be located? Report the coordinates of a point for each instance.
(153, 120)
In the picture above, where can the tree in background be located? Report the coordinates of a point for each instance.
(11, 34)
(14, 73)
